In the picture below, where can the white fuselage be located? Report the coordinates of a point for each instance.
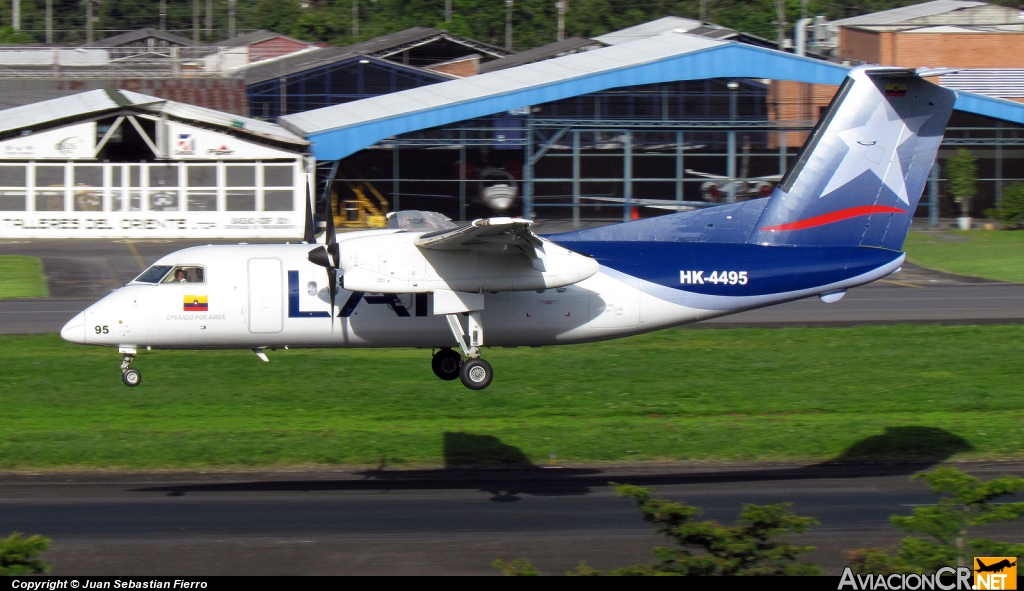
(271, 296)
(248, 306)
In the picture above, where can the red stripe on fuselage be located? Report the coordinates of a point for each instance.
(835, 216)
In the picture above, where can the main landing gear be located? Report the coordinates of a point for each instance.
(129, 375)
(475, 373)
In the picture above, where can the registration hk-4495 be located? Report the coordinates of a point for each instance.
(716, 277)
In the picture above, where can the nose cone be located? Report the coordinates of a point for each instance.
(74, 330)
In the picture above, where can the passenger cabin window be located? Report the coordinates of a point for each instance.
(186, 274)
(153, 274)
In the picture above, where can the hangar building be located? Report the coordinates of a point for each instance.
(640, 111)
(118, 164)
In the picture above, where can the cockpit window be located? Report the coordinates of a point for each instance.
(153, 274)
(186, 274)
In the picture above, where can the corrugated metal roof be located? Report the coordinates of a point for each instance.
(95, 102)
(899, 15)
(65, 107)
(213, 117)
(301, 62)
(465, 89)
(649, 29)
(998, 82)
(139, 35)
(393, 40)
(340, 130)
(254, 37)
(556, 49)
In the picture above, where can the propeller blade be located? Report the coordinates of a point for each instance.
(334, 254)
(332, 277)
(331, 236)
(309, 235)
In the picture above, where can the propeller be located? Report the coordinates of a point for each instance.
(309, 235)
(329, 257)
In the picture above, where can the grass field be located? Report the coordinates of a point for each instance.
(21, 277)
(785, 394)
(991, 254)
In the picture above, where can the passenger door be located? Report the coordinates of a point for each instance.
(266, 295)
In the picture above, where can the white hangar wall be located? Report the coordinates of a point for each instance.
(194, 182)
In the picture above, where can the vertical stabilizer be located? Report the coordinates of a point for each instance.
(859, 177)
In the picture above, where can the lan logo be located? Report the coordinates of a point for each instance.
(196, 303)
(995, 572)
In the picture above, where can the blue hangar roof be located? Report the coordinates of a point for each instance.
(341, 130)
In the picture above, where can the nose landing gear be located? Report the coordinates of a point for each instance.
(129, 375)
(475, 373)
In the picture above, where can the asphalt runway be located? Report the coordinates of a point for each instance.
(431, 521)
(82, 271)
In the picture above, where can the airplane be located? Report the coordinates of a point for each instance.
(746, 187)
(837, 220)
(996, 566)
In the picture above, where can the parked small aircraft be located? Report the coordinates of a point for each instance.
(835, 221)
(744, 187)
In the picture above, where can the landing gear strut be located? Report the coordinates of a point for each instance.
(475, 373)
(129, 375)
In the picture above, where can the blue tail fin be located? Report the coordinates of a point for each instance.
(859, 176)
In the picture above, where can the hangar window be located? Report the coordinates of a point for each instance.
(163, 188)
(202, 187)
(50, 188)
(88, 193)
(117, 193)
(12, 188)
(277, 201)
(135, 187)
(277, 175)
(241, 193)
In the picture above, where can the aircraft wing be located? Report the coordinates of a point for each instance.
(771, 178)
(498, 235)
(653, 203)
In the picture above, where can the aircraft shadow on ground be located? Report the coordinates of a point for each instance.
(484, 463)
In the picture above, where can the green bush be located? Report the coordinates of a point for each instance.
(19, 555)
(1011, 210)
(750, 547)
(941, 531)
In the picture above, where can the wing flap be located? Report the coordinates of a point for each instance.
(491, 235)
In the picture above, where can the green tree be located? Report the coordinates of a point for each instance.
(19, 555)
(942, 530)
(1011, 210)
(750, 547)
(962, 171)
(9, 35)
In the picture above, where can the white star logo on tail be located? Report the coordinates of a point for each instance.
(873, 147)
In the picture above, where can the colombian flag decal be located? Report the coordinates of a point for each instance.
(895, 89)
(196, 303)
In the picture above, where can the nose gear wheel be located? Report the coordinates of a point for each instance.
(476, 374)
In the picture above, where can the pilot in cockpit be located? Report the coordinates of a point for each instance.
(180, 276)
